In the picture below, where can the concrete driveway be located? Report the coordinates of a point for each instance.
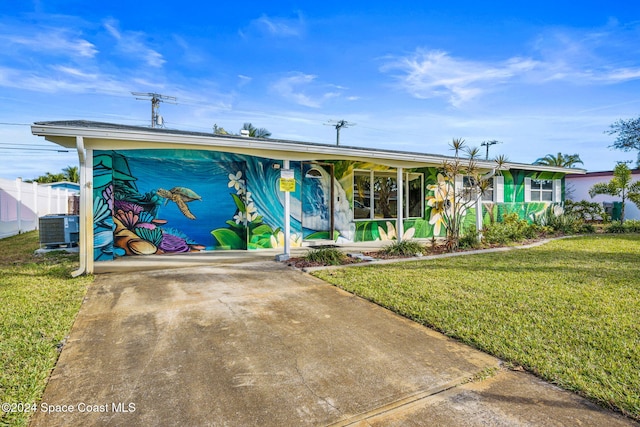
(259, 344)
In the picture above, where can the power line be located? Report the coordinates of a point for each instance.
(34, 149)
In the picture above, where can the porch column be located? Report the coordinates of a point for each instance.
(287, 221)
(400, 205)
(287, 218)
(479, 223)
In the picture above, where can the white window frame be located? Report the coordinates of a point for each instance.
(556, 190)
(372, 207)
(497, 187)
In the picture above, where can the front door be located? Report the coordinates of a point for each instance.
(317, 201)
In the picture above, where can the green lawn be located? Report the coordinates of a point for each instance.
(569, 311)
(38, 304)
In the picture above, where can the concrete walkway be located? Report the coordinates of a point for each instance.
(259, 344)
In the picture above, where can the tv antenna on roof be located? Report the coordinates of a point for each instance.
(339, 125)
(489, 144)
(156, 99)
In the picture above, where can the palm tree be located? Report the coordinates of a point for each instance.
(256, 132)
(619, 186)
(560, 160)
(71, 174)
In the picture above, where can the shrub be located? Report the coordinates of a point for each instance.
(326, 256)
(469, 239)
(585, 210)
(587, 228)
(615, 227)
(632, 226)
(404, 248)
(511, 229)
(559, 222)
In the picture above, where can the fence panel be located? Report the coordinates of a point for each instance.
(22, 203)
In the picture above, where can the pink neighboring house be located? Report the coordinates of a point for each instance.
(577, 187)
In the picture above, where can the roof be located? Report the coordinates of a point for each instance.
(110, 136)
(604, 173)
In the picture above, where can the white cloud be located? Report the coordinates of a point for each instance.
(434, 73)
(280, 27)
(58, 41)
(570, 56)
(303, 89)
(244, 80)
(131, 43)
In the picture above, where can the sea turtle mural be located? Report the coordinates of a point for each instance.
(180, 196)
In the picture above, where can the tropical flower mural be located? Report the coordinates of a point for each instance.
(390, 232)
(441, 202)
(246, 228)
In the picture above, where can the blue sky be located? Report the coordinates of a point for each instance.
(540, 78)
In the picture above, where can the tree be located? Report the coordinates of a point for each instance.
(560, 160)
(619, 186)
(217, 130)
(628, 136)
(459, 186)
(71, 174)
(256, 132)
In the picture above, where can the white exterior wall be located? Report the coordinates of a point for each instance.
(579, 185)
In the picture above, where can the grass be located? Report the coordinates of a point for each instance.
(566, 311)
(38, 304)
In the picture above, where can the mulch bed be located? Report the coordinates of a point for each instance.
(301, 263)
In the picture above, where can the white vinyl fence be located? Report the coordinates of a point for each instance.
(22, 203)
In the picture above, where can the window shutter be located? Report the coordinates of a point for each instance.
(527, 189)
(498, 189)
(557, 190)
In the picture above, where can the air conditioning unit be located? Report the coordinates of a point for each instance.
(56, 230)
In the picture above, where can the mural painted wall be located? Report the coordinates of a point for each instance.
(175, 201)
(172, 201)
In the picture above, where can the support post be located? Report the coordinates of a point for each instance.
(400, 204)
(479, 216)
(287, 221)
(19, 203)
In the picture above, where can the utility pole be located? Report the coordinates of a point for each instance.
(488, 144)
(339, 125)
(156, 99)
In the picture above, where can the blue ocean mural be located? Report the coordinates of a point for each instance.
(169, 201)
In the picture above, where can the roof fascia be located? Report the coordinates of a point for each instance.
(115, 139)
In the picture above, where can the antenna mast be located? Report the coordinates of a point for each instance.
(156, 99)
(489, 144)
(339, 125)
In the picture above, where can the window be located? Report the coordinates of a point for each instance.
(385, 195)
(470, 190)
(414, 199)
(542, 190)
(375, 195)
(489, 192)
(361, 195)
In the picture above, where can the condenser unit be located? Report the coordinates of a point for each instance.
(58, 230)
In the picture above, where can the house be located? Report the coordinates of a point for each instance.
(152, 191)
(73, 187)
(579, 185)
